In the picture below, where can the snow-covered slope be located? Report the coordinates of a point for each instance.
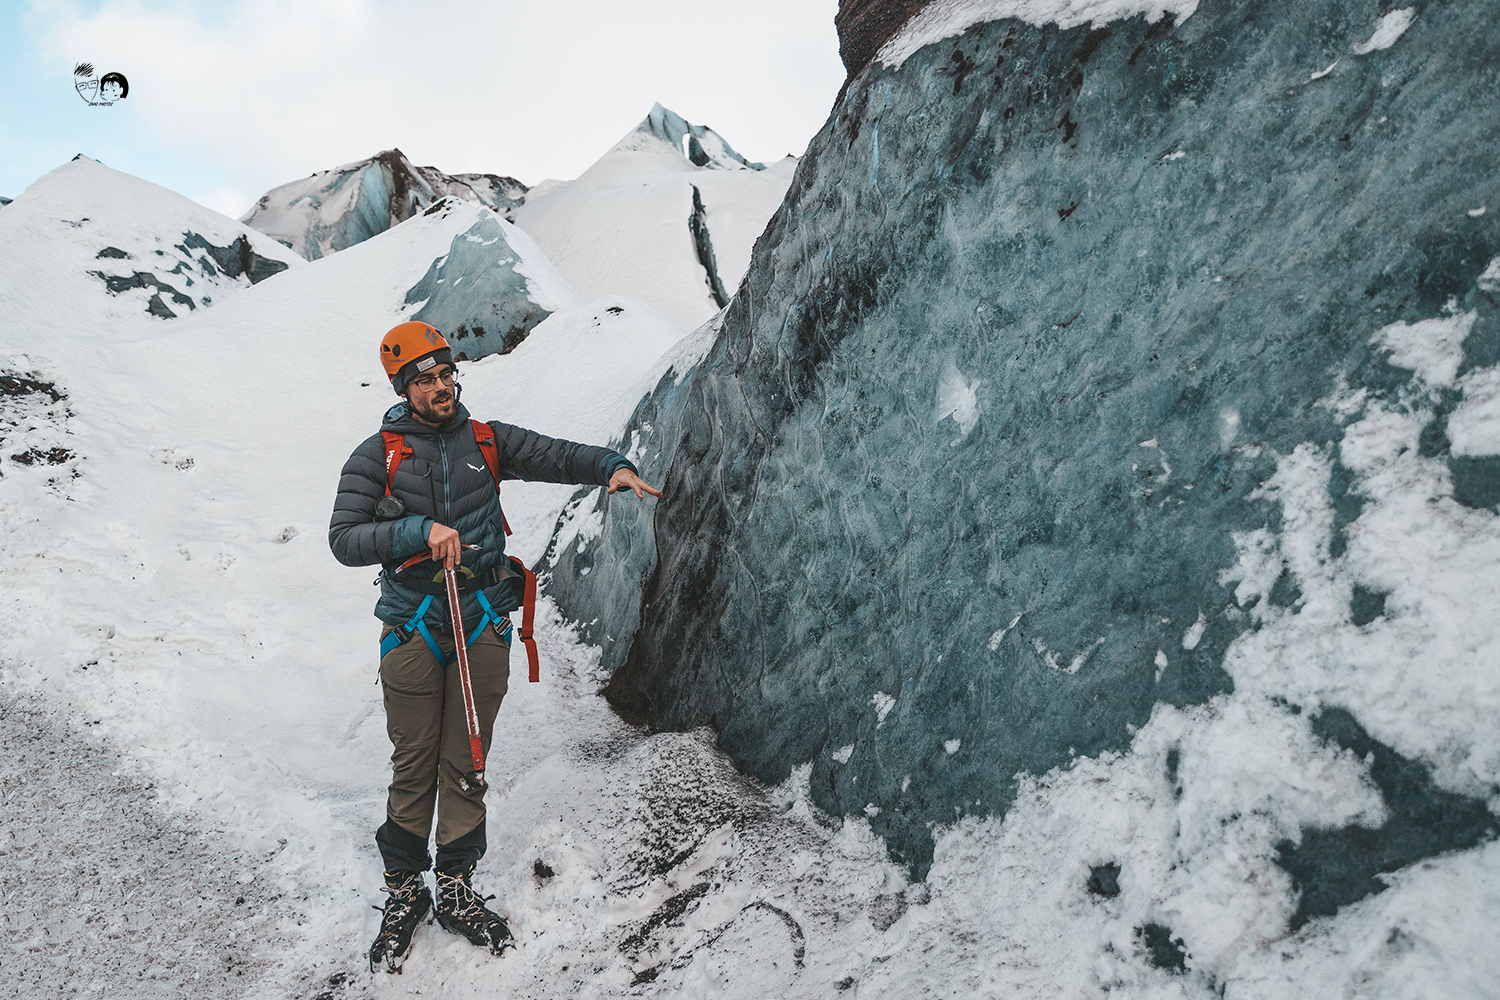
(169, 596)
(335, 209)
(627, 225)
(88, 244)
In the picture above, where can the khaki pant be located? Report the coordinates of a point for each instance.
(424, 717)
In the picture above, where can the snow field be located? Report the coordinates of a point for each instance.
(173, 601)
(171, 604)
(58, 229)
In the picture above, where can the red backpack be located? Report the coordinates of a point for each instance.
(484, 436)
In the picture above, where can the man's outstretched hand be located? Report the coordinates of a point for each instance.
(624, 479)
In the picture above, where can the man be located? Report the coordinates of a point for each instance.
(432, 490)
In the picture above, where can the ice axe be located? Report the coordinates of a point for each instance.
(475, 778)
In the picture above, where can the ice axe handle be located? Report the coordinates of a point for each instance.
(476, 747)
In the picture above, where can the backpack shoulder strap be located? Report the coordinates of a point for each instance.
(484, 436)
(395, 451)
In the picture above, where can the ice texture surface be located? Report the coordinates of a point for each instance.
(335, 209)
(491, 289)
(700, 144)
(1086, 372)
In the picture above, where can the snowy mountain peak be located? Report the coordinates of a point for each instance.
(702, 146)
(668, 215)
(100, 245)
(334, 209)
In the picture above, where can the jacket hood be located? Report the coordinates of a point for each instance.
(398, 419)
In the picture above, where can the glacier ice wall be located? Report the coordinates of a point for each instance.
(700, 144)
(335, 209)
(1050, 398)
(491, 288)
(600, 553)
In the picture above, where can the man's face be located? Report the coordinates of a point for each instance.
(435, 403)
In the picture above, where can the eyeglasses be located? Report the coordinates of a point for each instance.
(426, 382)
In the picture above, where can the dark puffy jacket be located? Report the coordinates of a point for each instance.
(446, 480)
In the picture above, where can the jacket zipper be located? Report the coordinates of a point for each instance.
(443, 451)
(447, 519)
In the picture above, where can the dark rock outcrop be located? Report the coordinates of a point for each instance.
(1162, 949)
(703, 244)
(865, 25)
(155, 305)
(234, 261)
(237, 260)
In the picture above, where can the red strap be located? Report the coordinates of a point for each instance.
(528, 619)
(395, 451)
(484, 436)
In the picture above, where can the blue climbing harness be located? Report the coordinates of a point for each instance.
(418, 624)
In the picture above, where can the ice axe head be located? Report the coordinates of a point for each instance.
(472, 781)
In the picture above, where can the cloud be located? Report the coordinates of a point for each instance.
(280, 89)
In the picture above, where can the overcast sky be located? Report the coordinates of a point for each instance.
(231, 98)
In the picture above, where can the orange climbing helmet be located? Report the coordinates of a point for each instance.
(410, 348)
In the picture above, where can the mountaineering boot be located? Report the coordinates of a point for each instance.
(461, 910)
(410, 900)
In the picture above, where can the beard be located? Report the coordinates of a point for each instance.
(437, 409)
